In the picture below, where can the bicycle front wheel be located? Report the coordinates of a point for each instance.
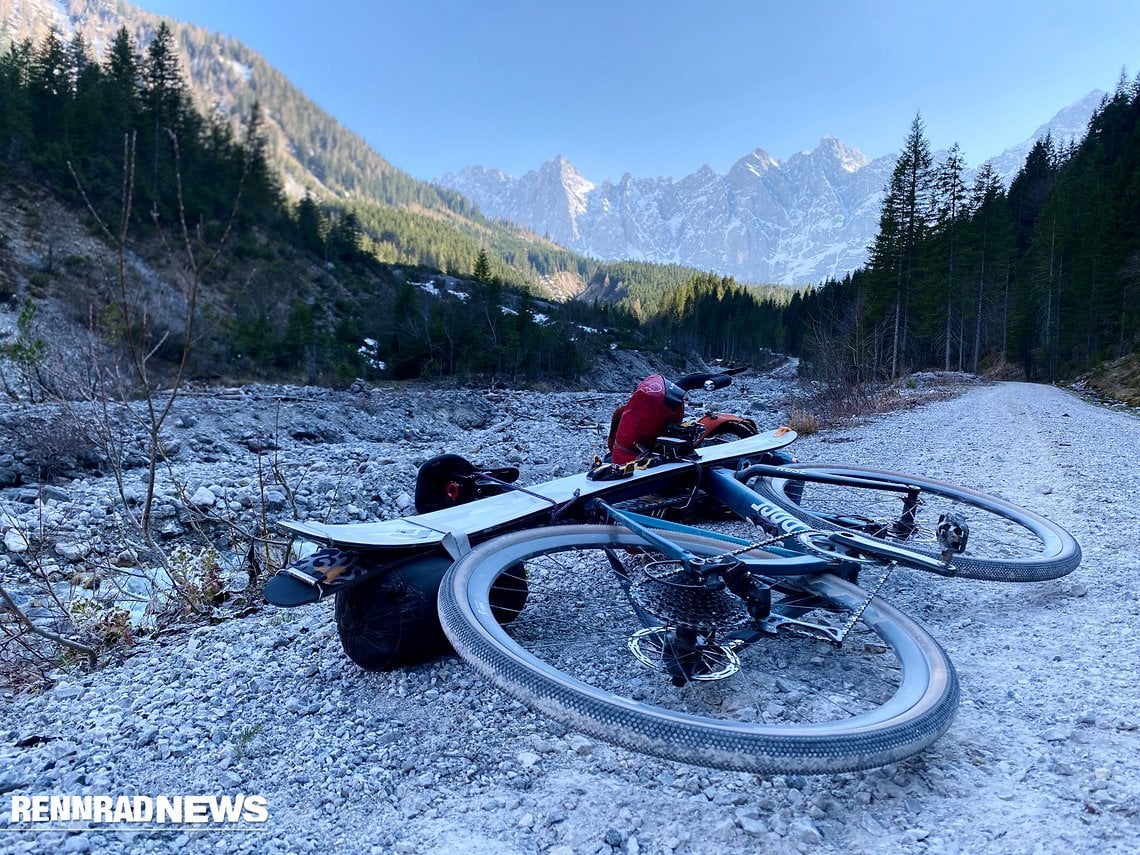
(1007, 543)
(595, 646)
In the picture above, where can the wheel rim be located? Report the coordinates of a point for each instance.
(1001, 534)
(783, 697)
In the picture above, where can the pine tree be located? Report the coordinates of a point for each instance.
(482, 271)
(310, 225)
(903, 222)
(991, 236)
(950, 199)
(48, 86)
(122, 82)
(164, 90)
(165, 104)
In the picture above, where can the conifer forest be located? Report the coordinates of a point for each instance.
(1039, 280)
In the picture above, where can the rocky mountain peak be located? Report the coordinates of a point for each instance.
(800, 220)
(757, 162)
(848, 159)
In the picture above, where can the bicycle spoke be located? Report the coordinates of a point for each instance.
(983, 536)
(579, 619)
(599, 646)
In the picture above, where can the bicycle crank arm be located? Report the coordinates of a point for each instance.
(862, 544)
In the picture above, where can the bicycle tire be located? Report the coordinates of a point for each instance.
(629, 705)
(1007, 543)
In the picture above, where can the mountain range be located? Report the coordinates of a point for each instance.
(800, 220)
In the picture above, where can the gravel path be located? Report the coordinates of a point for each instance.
(1044, 755)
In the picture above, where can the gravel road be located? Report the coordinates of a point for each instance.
(1044, 755)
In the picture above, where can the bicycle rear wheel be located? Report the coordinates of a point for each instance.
(1007, 543)
(588, 650)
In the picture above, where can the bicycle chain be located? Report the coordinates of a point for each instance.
(641, 506)
(858, 613)
(760, 544)
(855, 616)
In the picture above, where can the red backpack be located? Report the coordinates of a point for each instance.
(635, 426)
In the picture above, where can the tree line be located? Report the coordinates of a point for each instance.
(1040, 279)
(1042, 276)
(67, 120)
(72, 123)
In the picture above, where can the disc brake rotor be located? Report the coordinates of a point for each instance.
(651, 647)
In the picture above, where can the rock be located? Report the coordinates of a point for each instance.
(580, 745)
(15, 541)
(68, 691)
(203, 498)
(42, 493)
(10, 781)
(126, 558)
(73, 551)
(805, 832)
(871, 824)
(752, 823)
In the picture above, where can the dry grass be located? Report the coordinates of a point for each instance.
(803, 422)
(839, 405)
(1118, 380)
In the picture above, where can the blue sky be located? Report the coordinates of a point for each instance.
(657, 87)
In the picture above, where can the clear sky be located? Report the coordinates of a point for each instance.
(661, 87)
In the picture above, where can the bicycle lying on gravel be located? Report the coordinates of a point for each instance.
(756, 641)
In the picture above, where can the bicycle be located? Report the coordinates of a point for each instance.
(761, 654)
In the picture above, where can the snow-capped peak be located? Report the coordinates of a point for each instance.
(849, 159)
(801, 220)
(757, 162)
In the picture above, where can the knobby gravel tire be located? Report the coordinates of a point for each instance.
(915, 714)
(1036, 549)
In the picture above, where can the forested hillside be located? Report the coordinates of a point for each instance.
(403, 220)
(199, 237)
(1042, 279)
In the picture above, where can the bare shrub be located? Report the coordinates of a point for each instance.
(841, 403)
(114, 405)
(56, 447)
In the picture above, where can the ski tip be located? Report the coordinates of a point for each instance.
(285, 591)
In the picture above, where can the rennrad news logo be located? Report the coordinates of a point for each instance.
(34, 811)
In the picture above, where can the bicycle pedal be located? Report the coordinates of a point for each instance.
(953, 533)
